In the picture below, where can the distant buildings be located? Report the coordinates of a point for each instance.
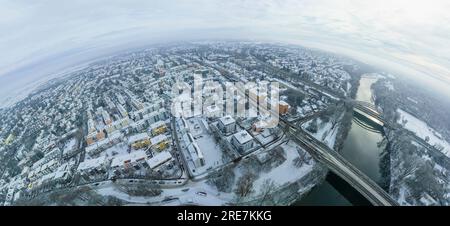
(94, 137)
(9, 139)
(136, 103)
(117, 125)
(144, 121)
(116, 106)
(54, 153)
(123, 113)
(70, 147)
(41, 168)
(258, 94)
(147, 109)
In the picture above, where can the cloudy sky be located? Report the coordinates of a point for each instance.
(39, 38)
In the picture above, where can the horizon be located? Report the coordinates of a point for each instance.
(43, 39)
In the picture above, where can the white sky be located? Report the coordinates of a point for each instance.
(39, 37)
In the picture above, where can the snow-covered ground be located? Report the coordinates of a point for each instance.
(406, 183)
(402, 195)
(324, 133)
(264, 137)
(422, 130)
(211, 152)
(193, 193)
(202, 193)
(118, 149)
(287, 172)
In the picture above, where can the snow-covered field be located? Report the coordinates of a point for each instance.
(287, 172)
(422, 130)
(324, 133)
(196, 193)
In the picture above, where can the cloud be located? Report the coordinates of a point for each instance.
(413, 34)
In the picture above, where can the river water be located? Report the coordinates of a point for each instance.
(361, 149)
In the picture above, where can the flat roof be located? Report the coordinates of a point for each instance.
(282, 102)
(158, 139)
(226, 120)
(91, 163)
(157, 124)
(159, 159)
(138, 137)
(243, 137)
(132, 157)
(194, 151)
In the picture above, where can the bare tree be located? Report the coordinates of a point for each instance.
(267, 188)
(142, 190)
(113, 201)
(245, 184)
(298, 162)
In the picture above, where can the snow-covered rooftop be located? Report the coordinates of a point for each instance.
(159, 159)
(131, 157)
(70, 145)
(157, 124)
(92, 163)
(158, 139)
(243, 136)
(138, 137)
(226, 120)
(283, 103)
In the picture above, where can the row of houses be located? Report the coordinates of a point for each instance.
(195, 154)
(60, 175)
(155, 106)
(149, 119)
(142, 140)
(97, 147)
(38, 171)
(121, 164)
(117, 125)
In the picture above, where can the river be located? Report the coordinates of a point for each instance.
(361, 149)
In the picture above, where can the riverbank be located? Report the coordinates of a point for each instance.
(361, 147)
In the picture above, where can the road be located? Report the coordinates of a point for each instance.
(335, 162)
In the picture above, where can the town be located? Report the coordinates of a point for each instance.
(108, 135)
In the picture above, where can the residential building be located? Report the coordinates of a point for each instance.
(138, 141)
(158, 128)
(242, 141)
(159, 142)
(227, 125)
